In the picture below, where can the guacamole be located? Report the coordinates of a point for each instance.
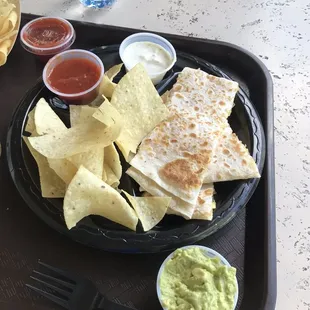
(192, 281)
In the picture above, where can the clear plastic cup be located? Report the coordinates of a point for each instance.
(45, 26)
(84, 97)
(209, 253)
(153, 38)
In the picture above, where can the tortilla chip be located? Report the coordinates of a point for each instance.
(97, 102)
(30, 126)
(111, 158)
(4, 49)
(107, 87)
(5, 9)
(78, 139)
(92, 161)
(63, 168)
(86, 114)
(114, 71)
(46, 120)
(51, 185)
(9, 24)
(150, 210)
(104, 175)
(138, 102)
(8, 36)
(107, 114)
(111, 178)
(75, 111)
(80, 114)
(88, 195)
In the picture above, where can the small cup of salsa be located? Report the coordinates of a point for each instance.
(74, 76)
(47, 36)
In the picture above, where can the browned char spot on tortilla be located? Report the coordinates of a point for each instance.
(208, 192)
(180, 172)
(200, 201)
(201, 159)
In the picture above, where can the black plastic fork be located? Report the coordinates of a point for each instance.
(70, 291)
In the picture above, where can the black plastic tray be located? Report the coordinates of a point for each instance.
(248, 242)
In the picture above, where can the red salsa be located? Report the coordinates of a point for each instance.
(74, 75)
(47, 32)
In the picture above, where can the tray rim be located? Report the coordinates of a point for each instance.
(270, 284)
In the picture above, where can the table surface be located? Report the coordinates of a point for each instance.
(277, 31)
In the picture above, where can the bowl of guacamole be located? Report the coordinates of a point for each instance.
(197, 278)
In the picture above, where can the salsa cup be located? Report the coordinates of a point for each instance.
(84, 97)
(209, 253)
(47, 36)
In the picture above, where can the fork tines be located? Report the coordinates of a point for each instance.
(54, 284)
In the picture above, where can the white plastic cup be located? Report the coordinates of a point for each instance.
(209, 253)
(154, 38)
(84, 97)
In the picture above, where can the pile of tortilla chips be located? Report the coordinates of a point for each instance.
(81, 163)
(8, 24)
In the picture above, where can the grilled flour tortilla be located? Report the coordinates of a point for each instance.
(231, 160)
(202, 210)
(176, 154)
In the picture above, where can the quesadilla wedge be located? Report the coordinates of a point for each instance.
(205, 203)
(231, 160)
(177, 152)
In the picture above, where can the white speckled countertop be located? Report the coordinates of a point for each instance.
(279, 32)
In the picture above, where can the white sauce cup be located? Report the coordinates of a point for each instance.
(209, 253)
(154, 38)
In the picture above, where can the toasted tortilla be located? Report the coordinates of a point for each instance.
(114, 71)
(111, 178)
(141, 108)
(89, 195)
(30, 125)
(107, 85)
(4, 50)
(178, 151)
(9, 23)
(63, 168)
(75, 111)
(75, 140)
(52, 186)
(177, 206)
(91, 160)
(205, 203)
(231, 160)
(111, 158)
(107, 114)
(46, 120)
(150, 210)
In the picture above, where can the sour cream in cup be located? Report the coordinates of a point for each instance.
(155, 53)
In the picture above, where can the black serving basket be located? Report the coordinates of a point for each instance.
(172, 231)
